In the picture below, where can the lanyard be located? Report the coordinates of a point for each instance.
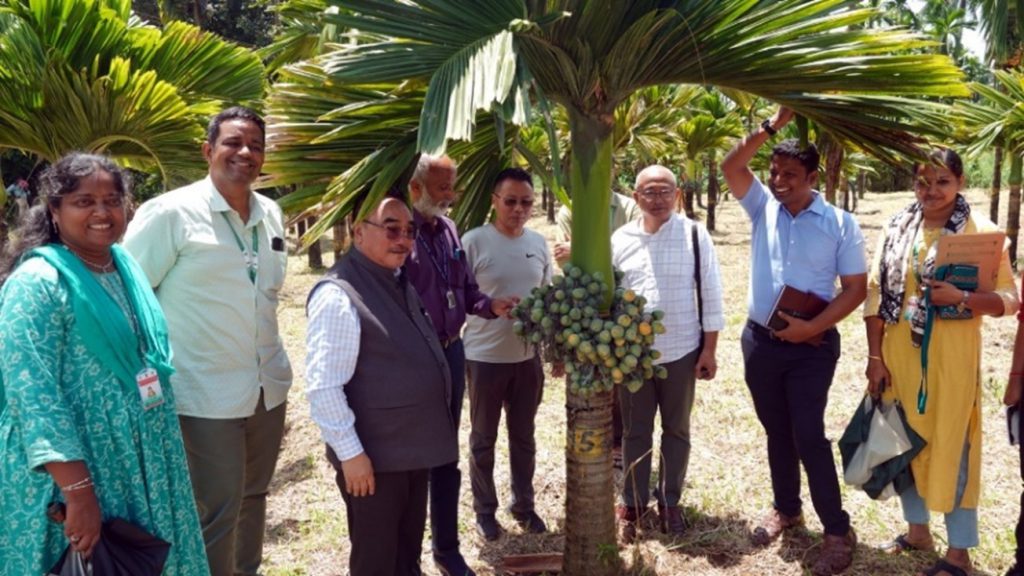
(251, 258)
(440, 262)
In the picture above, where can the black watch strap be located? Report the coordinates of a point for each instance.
(767, 127)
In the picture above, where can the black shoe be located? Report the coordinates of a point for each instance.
(488, 527)
(452, 565)
(530, 522)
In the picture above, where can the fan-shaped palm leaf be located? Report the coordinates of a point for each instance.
(84, 75)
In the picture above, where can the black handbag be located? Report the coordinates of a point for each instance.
(124, 549)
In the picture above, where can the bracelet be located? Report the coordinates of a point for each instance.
(870, 357)
(1016, 374)
(767, 127)
(80, 485)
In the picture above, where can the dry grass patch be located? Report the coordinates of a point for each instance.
(728, 485)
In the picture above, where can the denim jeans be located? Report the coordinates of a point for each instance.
(961, 523)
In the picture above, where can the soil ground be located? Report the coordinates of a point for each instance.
(728, 485)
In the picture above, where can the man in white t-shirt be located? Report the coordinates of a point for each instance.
(656, 255)
(508, 261)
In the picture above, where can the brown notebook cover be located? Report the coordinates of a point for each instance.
(799, 304)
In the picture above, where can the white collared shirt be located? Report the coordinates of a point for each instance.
(660, 267)
(223, 327)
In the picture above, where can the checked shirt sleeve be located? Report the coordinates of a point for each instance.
(332, 348)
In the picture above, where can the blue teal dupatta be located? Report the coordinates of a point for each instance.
(101, 323)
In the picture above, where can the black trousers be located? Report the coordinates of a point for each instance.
(789, 384)
(386, 529)
(446, 480)
(518, 388)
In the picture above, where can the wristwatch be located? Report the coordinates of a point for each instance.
(767, 127)
(963, 301)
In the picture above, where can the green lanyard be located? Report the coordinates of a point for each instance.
(251, 258)
(926, 339)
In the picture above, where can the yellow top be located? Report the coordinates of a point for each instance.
(953, 412)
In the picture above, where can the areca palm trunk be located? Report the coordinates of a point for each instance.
(1013, 207)
(590, 538)
(709, 220)
(997, 182)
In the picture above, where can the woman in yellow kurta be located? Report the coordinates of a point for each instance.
(947, 472)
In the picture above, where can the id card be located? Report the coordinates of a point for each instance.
(149, 388)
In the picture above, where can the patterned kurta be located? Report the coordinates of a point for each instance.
(59, 404)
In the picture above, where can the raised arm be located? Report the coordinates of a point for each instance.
(735, 167)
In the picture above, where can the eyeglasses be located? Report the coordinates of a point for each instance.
(657, 193)
(511, 202)
(394, 231)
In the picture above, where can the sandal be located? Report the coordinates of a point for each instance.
(901, 545)
(945, 566)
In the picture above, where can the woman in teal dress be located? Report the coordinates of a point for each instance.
(86, 413)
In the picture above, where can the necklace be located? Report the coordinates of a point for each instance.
(103, 268)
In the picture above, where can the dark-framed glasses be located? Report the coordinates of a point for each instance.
(394, 230)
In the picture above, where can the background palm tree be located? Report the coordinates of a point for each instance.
(997, 118)
(86, 75)
(1003, 28)
(502, 59)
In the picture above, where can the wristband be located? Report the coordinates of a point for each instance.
(767, 127)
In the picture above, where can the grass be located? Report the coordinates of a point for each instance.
(728, 486)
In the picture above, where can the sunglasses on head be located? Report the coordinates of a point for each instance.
(511, 202)
(394, 230)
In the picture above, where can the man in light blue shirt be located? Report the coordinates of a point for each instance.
(801, 241)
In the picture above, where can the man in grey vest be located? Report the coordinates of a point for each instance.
(379, 388)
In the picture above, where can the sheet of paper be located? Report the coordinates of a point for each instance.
(981, 250)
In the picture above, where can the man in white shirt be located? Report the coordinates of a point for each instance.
(507, 260)
(214, 253)
(380, 390)
(657, 257)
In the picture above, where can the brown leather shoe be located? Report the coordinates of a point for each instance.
(629, 521)
(672, 521)
(773, 525)
(836, 554)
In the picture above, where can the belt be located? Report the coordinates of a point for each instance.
(760, 330)
(446, 343)
(769, 333)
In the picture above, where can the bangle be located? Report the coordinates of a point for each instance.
(870, 357)
(80, 485)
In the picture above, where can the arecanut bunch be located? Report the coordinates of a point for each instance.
(564, 320)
